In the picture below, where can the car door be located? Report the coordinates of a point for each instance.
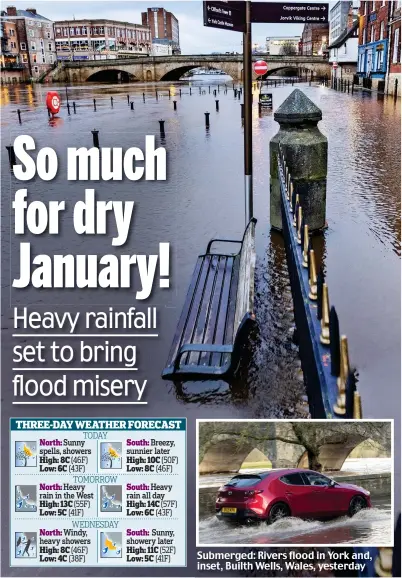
(325, 498)
(297, 493)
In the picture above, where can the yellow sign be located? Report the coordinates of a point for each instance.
(229, 510)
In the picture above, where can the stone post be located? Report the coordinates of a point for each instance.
(306, 152)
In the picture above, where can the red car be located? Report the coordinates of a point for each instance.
(275, 494)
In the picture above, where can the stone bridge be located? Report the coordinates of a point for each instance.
(171, 68)
(225, 452)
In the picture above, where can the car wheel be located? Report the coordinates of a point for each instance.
(277, 512)
(356, 504)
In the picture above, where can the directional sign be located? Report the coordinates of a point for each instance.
(225, 15)
(283, 12)
(260, 67)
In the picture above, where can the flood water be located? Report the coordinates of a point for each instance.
(371, 526)
(203, 198)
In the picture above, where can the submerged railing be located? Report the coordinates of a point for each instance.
(329, 379)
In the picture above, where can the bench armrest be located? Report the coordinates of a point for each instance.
(212, 241)
(201, 348)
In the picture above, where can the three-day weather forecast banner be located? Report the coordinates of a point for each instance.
(188, 387)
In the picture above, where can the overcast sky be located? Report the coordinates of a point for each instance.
(194, 37)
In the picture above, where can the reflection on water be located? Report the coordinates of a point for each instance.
(203, 198)
(366, 527)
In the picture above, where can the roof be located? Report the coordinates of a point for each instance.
(346, 34)
(25, 14)
(83, 21)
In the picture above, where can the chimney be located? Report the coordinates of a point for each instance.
(33, 10)
(11, 11)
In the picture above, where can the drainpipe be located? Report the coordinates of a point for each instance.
(389, 24)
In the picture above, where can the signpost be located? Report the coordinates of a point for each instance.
(238, 16)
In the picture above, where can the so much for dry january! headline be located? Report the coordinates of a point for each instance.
(90, 217)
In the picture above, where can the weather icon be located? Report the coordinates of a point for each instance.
(110, 545)
(25, 454)
(110, 455)
(25, 499)
(111, 499)
(25, 544)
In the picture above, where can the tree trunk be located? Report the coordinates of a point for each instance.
(313, 462)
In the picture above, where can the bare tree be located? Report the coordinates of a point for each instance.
(288, 49)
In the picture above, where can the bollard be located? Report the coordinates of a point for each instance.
(111, 101)
(162, 127)
(233, 86)
(11, 156)
(242, 110)
(217, 105)
(259, 108)
(95, 138)
(306, 151)
(169, 94)
(275, 83)
(132, 105)
(218, 88)
(94, 105)
(68, 108)
(239, 94)
(348, 86)
(128, 99)
(75, 112)
(49, 114)
(180, 92)
(190, 90)
(235, 92)
(207, 119)
(209, 90)
(353, 86)
(19, 115)
(174, 105)
(143, 97)
(396, 89)
(156, 94)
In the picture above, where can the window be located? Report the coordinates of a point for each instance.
(364, 36)
(396, 46)
(34, 58)
(49, 47)
(41, 42)
(77, 31)
(25, 58)
(13, 45)
(36, 69)
(43, 59)
(372, 36)
(48, 25)
(12, 32)
(382, 30)
(292, 480)
(50, 58)
(243, 480)
(380, 59)
(84, 30)
(30, 22)
(71, 31)
(101, 30)
(23, 46)
(39, 24)
(33, 46)
(317, 479)
(365, 7)
(48, 35)
(373, 7)
(31, 32)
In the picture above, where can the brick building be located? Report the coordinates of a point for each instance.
(12, 69)
(34, 38)
(314, 39)
(378, 23)
(393, 79)
(164, 27)
(100, 39)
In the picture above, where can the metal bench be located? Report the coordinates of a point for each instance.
(218, 313)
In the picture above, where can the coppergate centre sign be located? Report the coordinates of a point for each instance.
(232, 15)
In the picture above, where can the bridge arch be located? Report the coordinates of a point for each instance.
(176, 73)
(111, 75)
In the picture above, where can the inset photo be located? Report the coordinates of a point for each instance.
(312, 482)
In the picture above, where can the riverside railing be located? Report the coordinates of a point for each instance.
(329, 379)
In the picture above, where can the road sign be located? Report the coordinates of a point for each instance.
(283, 12)
(225, 15)
(260, 67)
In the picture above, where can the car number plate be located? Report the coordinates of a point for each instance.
(229, 510)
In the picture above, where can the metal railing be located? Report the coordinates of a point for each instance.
(329, 379)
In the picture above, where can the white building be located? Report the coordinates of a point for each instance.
(282, 45)
(339, 15)
(343, 53)
(161, 48)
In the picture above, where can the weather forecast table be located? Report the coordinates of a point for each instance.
(101, 491)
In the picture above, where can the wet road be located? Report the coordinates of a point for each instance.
(203, 198)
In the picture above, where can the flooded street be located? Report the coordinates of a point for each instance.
(367, 527)
(203, 198)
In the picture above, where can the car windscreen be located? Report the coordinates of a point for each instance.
(244, 481)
